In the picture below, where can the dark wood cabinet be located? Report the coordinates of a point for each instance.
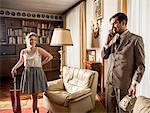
(96, 66)
(12, 40)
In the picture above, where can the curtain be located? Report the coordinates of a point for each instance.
(82, 34)
(75, 21)
(139, 16)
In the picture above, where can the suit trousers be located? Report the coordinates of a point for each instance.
(113, 97)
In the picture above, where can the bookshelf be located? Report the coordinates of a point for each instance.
(12, 39)
(14, 31)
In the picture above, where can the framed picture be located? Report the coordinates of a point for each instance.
(91, 55)
(99, 9)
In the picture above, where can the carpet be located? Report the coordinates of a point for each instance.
(6, 106)
(23, 110)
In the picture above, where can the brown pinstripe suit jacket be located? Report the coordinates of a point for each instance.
(127, 62)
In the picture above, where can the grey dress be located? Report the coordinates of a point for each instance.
(33, 78)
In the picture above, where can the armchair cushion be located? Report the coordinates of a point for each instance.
(61, 97)
(56, 85)
(76, 79)
(77, 95)
(57, 97)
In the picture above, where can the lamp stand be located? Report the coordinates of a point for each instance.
(61, 61)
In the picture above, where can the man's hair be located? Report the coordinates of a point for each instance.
(120, 17)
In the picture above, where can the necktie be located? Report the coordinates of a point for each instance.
(117, 42)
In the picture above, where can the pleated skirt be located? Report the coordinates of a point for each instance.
(33, 80)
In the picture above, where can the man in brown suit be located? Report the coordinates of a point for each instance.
(125, 51)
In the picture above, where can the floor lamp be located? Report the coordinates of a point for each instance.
(61, 37)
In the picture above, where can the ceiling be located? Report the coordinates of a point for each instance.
(43, 6)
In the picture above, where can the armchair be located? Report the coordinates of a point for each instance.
(74, 93)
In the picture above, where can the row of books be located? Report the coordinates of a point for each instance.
(20, 32)
(21, 40)
(29, 23)
(36, 24)
(14, 32)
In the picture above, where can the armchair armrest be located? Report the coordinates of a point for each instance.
(55, 85)
(77, 96)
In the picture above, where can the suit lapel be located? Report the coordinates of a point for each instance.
(124, 40)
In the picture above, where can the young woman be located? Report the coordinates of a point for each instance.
(33, 80)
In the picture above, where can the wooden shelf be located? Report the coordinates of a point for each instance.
(96, 66)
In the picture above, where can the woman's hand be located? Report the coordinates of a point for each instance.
(19, 63)
(13, 72)
(47, 56)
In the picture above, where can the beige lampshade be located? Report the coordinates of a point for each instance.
(61, 37)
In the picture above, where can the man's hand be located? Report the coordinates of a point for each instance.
(132, 90)
(110, 36)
